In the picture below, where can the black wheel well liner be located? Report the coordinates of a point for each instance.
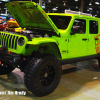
(51, 46)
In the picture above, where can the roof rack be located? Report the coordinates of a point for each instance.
(77, 12)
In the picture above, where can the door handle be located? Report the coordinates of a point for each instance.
(96, 38)
(84, 39)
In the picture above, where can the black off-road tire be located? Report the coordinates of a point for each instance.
(5, 69)
(98, 62)
(42, 74)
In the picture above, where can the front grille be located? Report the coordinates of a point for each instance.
(8, 40)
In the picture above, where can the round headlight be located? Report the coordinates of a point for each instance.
(21, 41)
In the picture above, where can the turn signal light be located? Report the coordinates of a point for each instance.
(0, 48)
(9, 52)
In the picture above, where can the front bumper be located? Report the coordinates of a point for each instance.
(12, 59)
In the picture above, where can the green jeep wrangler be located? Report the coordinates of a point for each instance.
(49, 41)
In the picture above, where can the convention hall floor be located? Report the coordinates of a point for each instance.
(80, 81)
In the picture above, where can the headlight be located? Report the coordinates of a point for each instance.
(21, 41)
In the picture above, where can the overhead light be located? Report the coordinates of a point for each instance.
(87, 9)
(95, 15)
(64, 4)
(5, 8)
(76, 7)
(4, 0)
(49, 0)
(76, 0)
(90, 8)
(90, 4)
(43, 6)
(97, 3)
(55, 9)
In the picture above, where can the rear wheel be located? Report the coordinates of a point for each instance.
(42, 75)
(98, 62)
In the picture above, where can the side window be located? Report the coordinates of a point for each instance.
(81, 24)
(93, 27)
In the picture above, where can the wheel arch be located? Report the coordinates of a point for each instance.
(49, 48)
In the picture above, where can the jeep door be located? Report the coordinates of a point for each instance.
(93, 36)
(77, 44)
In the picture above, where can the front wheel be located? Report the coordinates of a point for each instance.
(42, 75)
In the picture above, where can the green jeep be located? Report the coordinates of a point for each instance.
(49, 41)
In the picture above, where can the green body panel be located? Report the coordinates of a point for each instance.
(37, 41)
(76, 46)
(66, 46)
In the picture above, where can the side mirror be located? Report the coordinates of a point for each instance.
(75, 29)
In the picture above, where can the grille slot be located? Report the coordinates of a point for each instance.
(9, 41)
(13, 41)
(0, 38)
(5, 40)
(16, 42)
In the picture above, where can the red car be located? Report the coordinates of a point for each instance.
(2, 24)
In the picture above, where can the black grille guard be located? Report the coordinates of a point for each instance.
(12, 59)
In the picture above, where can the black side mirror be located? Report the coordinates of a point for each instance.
(75, 29)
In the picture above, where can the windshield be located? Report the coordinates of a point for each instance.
(61, 22)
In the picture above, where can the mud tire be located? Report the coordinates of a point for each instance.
(42, 74)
